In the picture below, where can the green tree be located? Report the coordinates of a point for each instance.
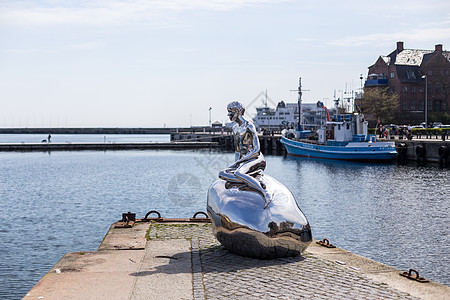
(380, 103)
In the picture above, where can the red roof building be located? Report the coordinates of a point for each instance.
(405, 72)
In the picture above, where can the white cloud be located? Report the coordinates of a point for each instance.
(434, 34)
(28, 51)
(306, 40)
(71, 47)
(84, 46)
(102, 12)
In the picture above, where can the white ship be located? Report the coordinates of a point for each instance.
(284, 115)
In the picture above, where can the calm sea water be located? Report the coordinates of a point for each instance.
(59, 202)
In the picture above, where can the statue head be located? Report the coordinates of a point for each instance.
(235, 109)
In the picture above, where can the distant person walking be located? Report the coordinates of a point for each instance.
(408, 132)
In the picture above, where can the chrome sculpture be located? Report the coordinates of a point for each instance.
(253, 214)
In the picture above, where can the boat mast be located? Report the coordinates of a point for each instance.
(265, 104)
(300, 115)
(336, 103)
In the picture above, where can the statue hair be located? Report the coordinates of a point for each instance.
(236, 106)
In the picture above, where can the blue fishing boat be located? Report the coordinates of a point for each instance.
(344, 137)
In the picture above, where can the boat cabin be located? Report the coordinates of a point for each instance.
(344, 129)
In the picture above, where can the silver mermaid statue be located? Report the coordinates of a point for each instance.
(249, 161)
(252, 214)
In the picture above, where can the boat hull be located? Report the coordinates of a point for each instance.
(355, 151)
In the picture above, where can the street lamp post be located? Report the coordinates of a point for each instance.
(426, 100)
(361, 94)
(210, 116)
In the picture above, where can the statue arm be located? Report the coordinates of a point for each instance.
(237, 155)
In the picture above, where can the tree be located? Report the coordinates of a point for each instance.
(380, 103)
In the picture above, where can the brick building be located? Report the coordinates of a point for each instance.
(405, 72)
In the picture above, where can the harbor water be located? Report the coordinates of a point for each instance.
(58, 202)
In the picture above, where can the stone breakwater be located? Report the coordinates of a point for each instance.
(105, 146)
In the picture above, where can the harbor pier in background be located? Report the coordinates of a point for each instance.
(423, 148)
(109, 130)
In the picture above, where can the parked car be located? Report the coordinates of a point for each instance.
(418, 126)
(437, 125)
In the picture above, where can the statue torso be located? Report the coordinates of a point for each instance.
(244, 138)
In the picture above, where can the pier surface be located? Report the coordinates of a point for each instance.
(184, 261)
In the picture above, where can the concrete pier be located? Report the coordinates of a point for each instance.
(105, 130)
(104, 146)
(183, 260)
(417, 149)
(269, 143)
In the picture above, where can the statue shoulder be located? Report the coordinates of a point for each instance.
(251, 126)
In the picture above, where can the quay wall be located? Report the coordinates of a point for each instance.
(106, 130)
(417, 149)
(425, 150)
(422, 149)
(104, 146)
(269, 143)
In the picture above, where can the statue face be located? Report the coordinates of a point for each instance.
(233, 115)
(235, 109)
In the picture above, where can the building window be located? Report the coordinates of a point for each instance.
(413, 89)
(430, 105)
(437, 89)
(404, 89)
(392, 74)
(413, 105)
(392, 89)
(405, 105)
(430, 72)
(410, 74)
(421, 106)
(420, 89)
(437, 105)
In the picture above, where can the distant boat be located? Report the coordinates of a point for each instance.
(283, 115)
(344, 137)
(338, 142)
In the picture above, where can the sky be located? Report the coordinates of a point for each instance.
(173, 63)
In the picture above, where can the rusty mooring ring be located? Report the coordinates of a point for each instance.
(198, 213)
(413, 271)
(151, 212)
